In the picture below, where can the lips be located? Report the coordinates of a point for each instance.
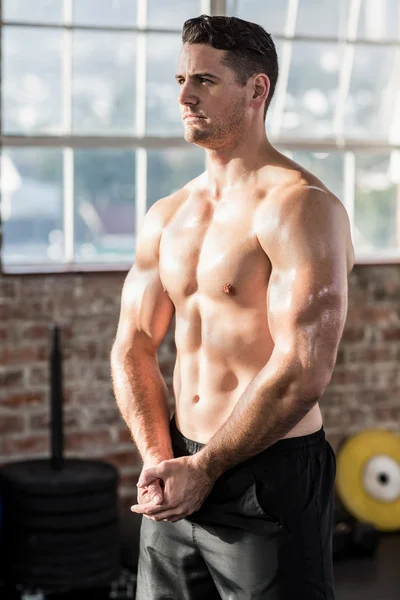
(193, 117)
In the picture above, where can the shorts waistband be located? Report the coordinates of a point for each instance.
(281, 446)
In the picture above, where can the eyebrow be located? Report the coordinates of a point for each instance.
(197, 76)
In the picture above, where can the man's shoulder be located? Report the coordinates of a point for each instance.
(290, 187)
(167, 206)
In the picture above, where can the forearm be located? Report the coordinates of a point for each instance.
(267, 410)
(142, 398)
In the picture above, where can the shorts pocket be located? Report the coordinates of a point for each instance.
(261, 506)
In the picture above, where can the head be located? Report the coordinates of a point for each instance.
(228, 69)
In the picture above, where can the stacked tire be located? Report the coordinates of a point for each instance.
(60, 528)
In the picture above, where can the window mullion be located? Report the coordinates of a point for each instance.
(141, 83)
(349, 190)
(68, 153)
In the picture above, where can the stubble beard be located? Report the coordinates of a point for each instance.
(219, 133)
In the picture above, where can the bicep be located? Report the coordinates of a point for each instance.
(307, 308)
(146, 309)
(307, 292)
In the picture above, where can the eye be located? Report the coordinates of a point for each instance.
(180, 81)
(202, 79)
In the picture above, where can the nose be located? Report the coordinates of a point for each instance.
(187, 95)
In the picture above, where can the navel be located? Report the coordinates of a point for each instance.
(228, 289)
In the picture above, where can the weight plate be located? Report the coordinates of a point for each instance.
(77, 476)
(368, 478)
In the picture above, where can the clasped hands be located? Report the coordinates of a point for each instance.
(173, 489)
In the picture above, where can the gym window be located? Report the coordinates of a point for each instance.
(91, 134)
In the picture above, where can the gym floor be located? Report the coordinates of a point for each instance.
(375, 578)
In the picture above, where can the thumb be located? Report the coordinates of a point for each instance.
(148, 476)
(155, 492)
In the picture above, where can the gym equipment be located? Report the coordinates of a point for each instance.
(350, 537)
(60, 518)
(368, 478)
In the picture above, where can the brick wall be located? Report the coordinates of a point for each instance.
(364, 391)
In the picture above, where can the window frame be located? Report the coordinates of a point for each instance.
(141, 143)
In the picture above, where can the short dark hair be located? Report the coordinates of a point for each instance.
(249, 47)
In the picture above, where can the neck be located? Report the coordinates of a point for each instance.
(237, 162)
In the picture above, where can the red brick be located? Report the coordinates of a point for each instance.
(4, 334)
(24, 446)
(22, 399)
(38, 375)
(106, 415)
(385, 375)
(11, 378)
(369, 355)
(123, 458)
(91, 441)
(386, 413)
(72, 418)
(26, 354)
(11, 424)
(343, 376)
(9, 288)
(129, 480)
(166, 367)
(353, 334)
(391, 334)
(362, 314)
(124, 436)
(36, 332)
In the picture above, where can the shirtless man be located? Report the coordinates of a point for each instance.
(252, 257)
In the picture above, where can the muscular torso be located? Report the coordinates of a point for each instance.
(216, 274)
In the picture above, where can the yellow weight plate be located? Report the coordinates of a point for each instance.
(368, 478)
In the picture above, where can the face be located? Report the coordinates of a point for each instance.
(212, 103)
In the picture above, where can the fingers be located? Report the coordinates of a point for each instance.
(148, 476)
(159, 513)
(155, 492)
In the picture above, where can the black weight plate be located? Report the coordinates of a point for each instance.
(63, 575)
(67, 522)
(95, 580)
(84, 566)
(77, 476)
(36, 544)
(51, 505)
(68, 538)
(58, 558)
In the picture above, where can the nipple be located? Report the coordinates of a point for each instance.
(196, 398)
(166, 291)
(228, 289)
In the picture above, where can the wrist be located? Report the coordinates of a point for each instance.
(152, 460)
(203, 461)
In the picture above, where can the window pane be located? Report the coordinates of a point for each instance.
(379, 20)
(39, 11)
(169, 170)
(376, 212)
(31, 206)
(327, 166)
(103, 12)
(31, 87)
(162, 108)
(171, 14)
(321, 18)
(104, 205)
(369, 107)
(312, 90)
(271, 14)
(103, 84)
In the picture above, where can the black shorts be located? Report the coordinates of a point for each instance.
(263, 533)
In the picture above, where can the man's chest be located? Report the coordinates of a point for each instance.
(212, 251)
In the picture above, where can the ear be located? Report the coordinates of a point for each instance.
(261, 87)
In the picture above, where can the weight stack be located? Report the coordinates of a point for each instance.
(60, 528)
